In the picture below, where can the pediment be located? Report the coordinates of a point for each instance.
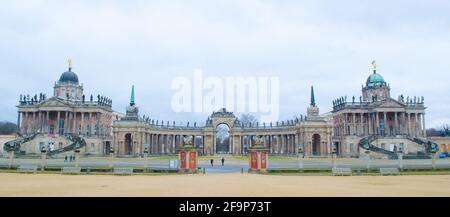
(391, 103)
(53, 102)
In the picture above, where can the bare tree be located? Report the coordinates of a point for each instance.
(7, 128)
(248, 119)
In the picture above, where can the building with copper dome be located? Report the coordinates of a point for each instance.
(391, 124)
(54, 121)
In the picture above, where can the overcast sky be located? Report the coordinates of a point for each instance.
(328, 44)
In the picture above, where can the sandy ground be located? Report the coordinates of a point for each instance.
(222, 185)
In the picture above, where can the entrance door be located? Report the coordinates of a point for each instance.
(128, 144)
(316, 144)
(223, 139)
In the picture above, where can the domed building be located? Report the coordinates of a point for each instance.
(68, 87)
(377, 123)
(52, 122)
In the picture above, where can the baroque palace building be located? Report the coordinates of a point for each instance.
(133, 133)
(374, 122)
(54, 122)
(393, 123)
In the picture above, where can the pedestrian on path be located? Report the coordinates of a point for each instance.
(223, 160)
(212, 162)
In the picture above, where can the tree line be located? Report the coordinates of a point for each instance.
(7, 128)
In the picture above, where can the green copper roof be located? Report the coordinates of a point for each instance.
(132, 96)
(375, 80)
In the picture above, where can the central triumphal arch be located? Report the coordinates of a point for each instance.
(222, 132)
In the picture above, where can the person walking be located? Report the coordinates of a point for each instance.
(223, 160)
(212, 162)
(65, 158)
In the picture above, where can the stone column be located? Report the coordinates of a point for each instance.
(47, 122)
(369, 123)
(345, 124)
(74, 123)
(396, 130)
(66, 122)
(18, 122)
(82, 123)
(361, 124)
(57, 122)
(90, 124)
(97, 127)
(424, 129)
(377, 124)
(385, 123)
(40, 121)
(26, 123)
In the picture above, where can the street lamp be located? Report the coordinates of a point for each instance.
(111, 157)
(300, 157)
(400, 158)
(11, 156)
(333, 156)
(77, 153)
(43, 157)
(367, 160)
(146, 158)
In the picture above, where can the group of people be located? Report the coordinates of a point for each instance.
(212, 161)
(71, 158)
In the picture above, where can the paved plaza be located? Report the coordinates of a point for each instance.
(232, 164)
(219, 185)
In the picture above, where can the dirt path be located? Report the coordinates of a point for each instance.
(222, 185)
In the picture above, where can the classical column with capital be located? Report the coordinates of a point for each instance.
(423, 125)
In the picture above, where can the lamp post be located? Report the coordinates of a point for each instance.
(367, 160)
(400, 159)
(146, 158)
(300, 158)
(111, 157)
(333, 156)
(11, 158)
(43, 157)
(77, 153)
(434, 149)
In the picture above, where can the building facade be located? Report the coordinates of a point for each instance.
(133, 133)
(393, 122)
(51, 120)
(388, 124)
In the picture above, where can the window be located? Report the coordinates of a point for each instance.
(41, 144)
(88, 130)
(60, 145)
(401, 146)
(61, 127)
(52, 129)
(351, 148)
(383, 146)
(92, 148)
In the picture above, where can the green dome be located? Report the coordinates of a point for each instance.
(375, 80)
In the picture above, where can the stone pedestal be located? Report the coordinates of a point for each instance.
(258, 159)
(400, 160)
(11, 159)
(111, 157)
(433, 160)
(188, 159)
(77, 157)
(367, 160)
(300, 158)
(333, 160)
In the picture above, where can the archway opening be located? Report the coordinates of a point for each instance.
(128, 144)
(223, 139)
(316, 144)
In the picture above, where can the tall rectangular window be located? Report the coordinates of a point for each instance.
(61, 127)
(92, 148)
(60, 145)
